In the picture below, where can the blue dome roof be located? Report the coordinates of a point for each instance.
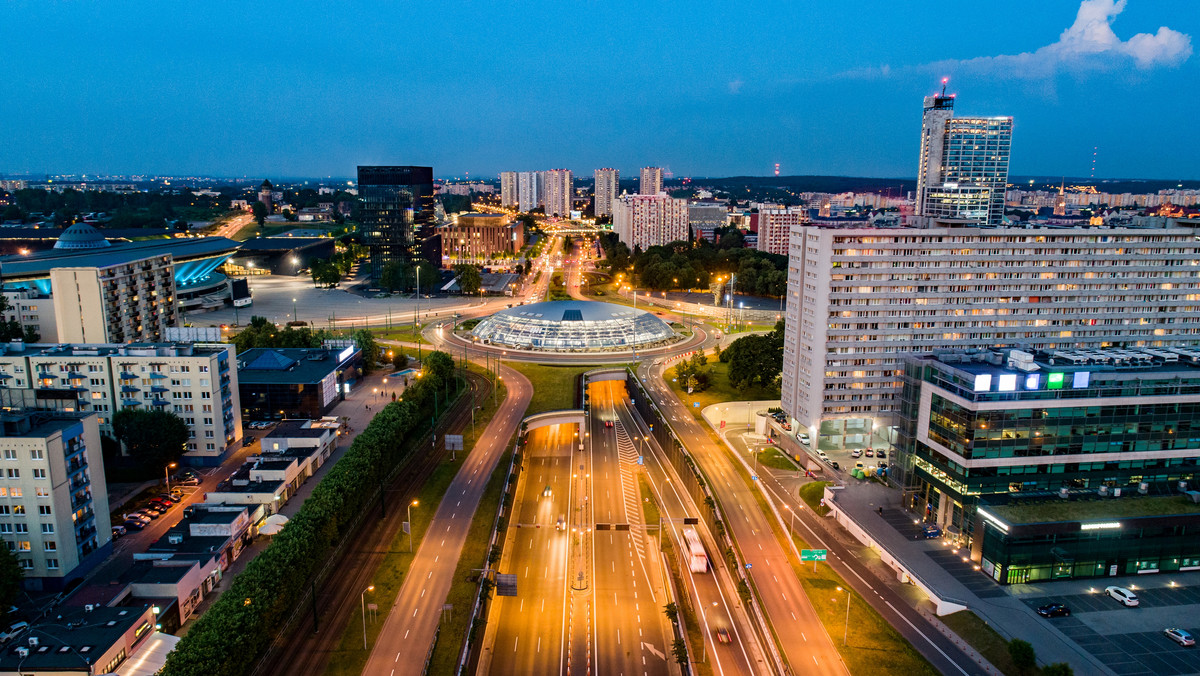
(81, 236)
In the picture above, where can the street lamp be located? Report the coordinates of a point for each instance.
(362, 600)
(846, 631)
(412, 504)
(294, 317)
(167, 476)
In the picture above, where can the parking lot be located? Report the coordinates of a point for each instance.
(1130, 641)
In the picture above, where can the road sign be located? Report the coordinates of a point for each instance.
(641, 460)
(506, 585)
(454, 442)
(754, 477)
(695, 404)
(749, 565)
(813, 554)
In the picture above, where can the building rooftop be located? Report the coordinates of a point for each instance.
(38, 264)
(299, 428)
(1055, 509)
(264, 366)
(19, 349)
(73, 638)
(145, 572)
(282, 243)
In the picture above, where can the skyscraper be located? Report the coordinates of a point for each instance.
(397, 215)
(607, 181)
(560, 188)
(528, 183)
(508, 188)
(963, 165)
(651, 183)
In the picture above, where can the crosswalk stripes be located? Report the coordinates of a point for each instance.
(630, 493)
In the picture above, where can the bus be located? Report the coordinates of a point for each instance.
(697, 558)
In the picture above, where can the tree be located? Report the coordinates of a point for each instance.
(392, 276)
(399, 360)
(679, 650)
(469, 278)
(1022, 654)
(365, 341)
(151, 437)
(1058, 669)
(260, 212)
(10, 580)
(672, 612)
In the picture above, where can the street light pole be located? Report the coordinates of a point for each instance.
(412, 504)
(362, 601)
(295, 317)
(846, 631)
(167, 476)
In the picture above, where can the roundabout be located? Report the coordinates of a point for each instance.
(574, 326)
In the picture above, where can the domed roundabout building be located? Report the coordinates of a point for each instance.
(574, 326)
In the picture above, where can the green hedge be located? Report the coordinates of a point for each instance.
(230, 638)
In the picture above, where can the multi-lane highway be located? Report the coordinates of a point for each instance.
(414, 616)
(526, 634)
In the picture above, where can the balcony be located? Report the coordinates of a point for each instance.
(159, 389)
(129, 389)
(132, 403)
(126, 375)
(156, 375)
(161, 402)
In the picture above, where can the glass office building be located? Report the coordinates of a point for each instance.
(397, 215)
(1070, 427)
(574, 326)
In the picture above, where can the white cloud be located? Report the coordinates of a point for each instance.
(1088, 44)
(735, 86)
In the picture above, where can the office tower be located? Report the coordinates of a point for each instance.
(964, 163)
(508, 189)
(606, 191)
(55, 515)
(119, 303)
(649, 220)
(527, 190)
(560, 188)
(861, 298)
(197, 382)
(775, 227)
(397, 215)
(651, 181)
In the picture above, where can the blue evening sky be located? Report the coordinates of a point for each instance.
(705, 88)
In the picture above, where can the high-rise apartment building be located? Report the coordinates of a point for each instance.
(54, 512)
(197, 382)
(397, 215)
(607, 182)
(964, 163)
(861, 298)
(649, 220)
(560, 189)
(775, 227)
(651, 181)
(527, 190)
(118, 303)
(508, 189)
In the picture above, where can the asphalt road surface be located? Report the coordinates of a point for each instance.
(414, 616)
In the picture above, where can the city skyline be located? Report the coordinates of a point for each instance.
(243, 98)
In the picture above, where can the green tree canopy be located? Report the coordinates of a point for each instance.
(151, 437)
(10, 580)
(469, 278)
(365, 341)
(755, 359)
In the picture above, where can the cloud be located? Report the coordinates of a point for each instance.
(735, 86)
(1088, 44)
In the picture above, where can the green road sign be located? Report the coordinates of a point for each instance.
(813, 554)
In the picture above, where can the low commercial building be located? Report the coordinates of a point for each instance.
(475, 237)
(1012, 428)
(54, 488)
(196, 381)
(277, 383)
(211, 535)
(705, 219)
(84, 641)
(282, 255)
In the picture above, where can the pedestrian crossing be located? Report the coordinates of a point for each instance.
(627, 455)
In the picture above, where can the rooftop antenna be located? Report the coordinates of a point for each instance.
(945, 80)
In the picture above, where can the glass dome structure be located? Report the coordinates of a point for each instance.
(573, 326)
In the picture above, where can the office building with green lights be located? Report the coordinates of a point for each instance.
(1056, 464)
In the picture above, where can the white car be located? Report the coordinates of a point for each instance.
(1180, 636)
(856, 453)
(1126, 597)
(805, 440)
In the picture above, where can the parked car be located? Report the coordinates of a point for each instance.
(835, 465)
(931, 530)
(134, 524)
(14, 630)
(1126, 597)
(149, 513)
(163, 505)
(804, 439)
(870, 453)
(822, 454)
(118, 531)
(187, 481)
(723, 635)
(174, 496)
(155, 508)
(140, 518)
(1054, 610)
(856, 453)
(1180, 636)
(880, 454)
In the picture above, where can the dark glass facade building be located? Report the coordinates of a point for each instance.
(397, 215)
(1070, 426)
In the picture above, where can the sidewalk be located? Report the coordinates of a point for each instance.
(354, 408)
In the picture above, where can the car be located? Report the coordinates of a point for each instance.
(804, 439)
(1180, 636)
(608, 423)
(870, 453)
(159, 502)
(118, 531)
(155, 508)
(561, 524)
(173, 496)
(822, 454)
(723, 635)
(1054, 610)
(880, 454)
(187, 481)
(133, 524)
(856, 453)
(786, 426)
(147, 512)
(140, 518)
(835, 465)
(546, 492)
(14, 630)
(1126, 597)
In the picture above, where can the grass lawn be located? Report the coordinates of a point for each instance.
(348, 659)
(812, 494)
(983, 638)
(719, 390)
(776, 459)
(401, 332)
(553, 386)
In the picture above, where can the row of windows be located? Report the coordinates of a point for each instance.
(19, 510)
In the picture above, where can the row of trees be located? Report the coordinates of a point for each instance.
(133, 210)
(235, 632)
(690, 265)
(694, 373)
(329, 272)
(756, 359)
(262, 333)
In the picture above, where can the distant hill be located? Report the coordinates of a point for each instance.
(832, 184)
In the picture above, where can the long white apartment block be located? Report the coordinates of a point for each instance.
(650, 220)
(861, 298)
(508, 189)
